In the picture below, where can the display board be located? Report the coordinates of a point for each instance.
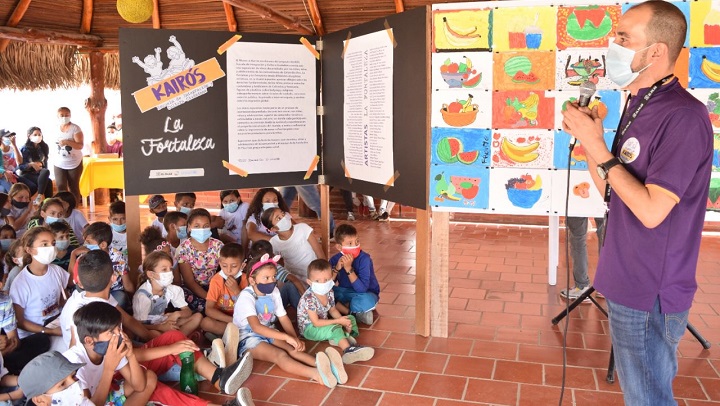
(500, 78)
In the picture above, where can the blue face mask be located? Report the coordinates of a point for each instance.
(6, 141)
(62, 245)
(101, 347)
(232, 207)
(92, 247)
(200, 234)
(118, 228)
(182, 232)
(50, 219)
(5, 243)
(185, 210)
(619, 64)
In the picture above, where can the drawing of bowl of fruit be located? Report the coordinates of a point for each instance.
(586, 67)
(460, 112)
(524, 191)
(458, 75)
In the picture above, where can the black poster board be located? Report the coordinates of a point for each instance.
(204, 117)
(410, 110)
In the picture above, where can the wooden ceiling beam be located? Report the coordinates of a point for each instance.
(315, 17)
(49, 37)
(156, 14)
(87, 15)
(230, 17)
(267, 12)
(14, 19)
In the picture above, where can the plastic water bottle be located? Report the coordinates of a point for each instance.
(188, 381)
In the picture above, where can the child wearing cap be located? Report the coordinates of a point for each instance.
(158, 207)
(49, 379)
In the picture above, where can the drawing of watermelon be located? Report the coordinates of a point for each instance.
(467, 186)
(448, 149)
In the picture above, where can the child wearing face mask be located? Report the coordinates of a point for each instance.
(33, 165)
(63, 245)
(296, 243)
(357, 286)
(198, 258)
(38, 291)
(152, 240)
(117, 223)
(234, 211)
(51, 211)
(13, 264)
(21, 210)
(73, 216)
(290, 286)
(175, 226)
(264, 199)
(319, 320)
(49, 379)
(158, 207)
(257, 309)
(154, 294)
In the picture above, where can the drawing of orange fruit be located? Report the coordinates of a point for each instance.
(582, 190)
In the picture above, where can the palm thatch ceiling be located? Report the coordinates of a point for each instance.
(40, 39)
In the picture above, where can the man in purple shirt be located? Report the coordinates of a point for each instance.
(658, 174)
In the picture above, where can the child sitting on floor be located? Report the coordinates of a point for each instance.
(233, 212)
(49, 379)
(117, 222)
(63, 245)
(21, 211)
(13, 262)
(158, 206)
(357, 286)
(175, 226)
(73, 216)
(154, 294)
(264, 199)
(258, 307)
(319, 320)
(290, 286)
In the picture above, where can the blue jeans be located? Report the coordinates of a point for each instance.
(359, 302)
(645, 345)
(290, 295)
(123, 299)
(310, 195)
(577, 231)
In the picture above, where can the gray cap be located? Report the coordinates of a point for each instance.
(6, 133)
(44, 372)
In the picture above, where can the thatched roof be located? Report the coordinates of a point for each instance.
(32, 66)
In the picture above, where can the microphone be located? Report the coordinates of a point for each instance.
(587, 90)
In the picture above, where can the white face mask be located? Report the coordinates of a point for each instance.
(36, 139)
(64, 120)
(165, 279)
(322, 288)
(73, 395)
(45, 255)
(269, 206)
(619, 64)
(284, 224)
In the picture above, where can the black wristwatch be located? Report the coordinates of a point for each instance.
(604, 168)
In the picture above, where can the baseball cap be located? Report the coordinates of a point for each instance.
(156, 201)
(43, 372)
(6, 133)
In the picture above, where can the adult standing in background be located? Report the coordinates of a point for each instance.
(68, 158)
(33, 168)
(656, 179)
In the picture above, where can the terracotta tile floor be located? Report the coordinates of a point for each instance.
(502, 347)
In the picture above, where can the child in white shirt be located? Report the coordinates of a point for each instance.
(296, 243)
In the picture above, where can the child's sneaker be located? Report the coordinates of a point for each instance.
(232, 377)
(231, 339)
(324, 367)
(336, 365)
(350, 216)
(574, 293)
(357, 353)
(242, 398)
(365, 317)
(384, 217)
(350, 339)
(217, 353)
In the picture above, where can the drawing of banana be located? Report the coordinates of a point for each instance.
(710, 69)
(459, 39)
(468, 104)
(468, 62)
(531, 101)
(520, 154)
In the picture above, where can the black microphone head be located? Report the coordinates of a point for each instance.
(587, 90)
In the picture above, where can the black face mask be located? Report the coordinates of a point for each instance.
(20, 205)
(161, 214)
(101, 347)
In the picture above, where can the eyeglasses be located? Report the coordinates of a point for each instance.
(162, 245)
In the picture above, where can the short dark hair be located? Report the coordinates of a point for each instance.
(667, 25)
(179, 196)
(318, 265)
(99, 231)
(68, 198)
(96, 318)
(261, 247)
(266, 217)
(344, 230)
(117, 207)
(226, 193)
(172, 218)
(95, 270)
(232, 250)
(8, 227)
(150, 238)
(198, 213)
(59, 227)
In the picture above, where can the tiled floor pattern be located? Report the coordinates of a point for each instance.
(502, 347)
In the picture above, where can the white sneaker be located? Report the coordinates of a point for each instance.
(574, 293)
(231, 339)
(217, 353)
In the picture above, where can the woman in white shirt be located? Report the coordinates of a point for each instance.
(68, 155)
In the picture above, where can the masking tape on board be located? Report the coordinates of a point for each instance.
(224, 47)
(235, 169)
(347, 173)
(310, 47)
(347, 42)
(312, 167)
(390, 34)
(392, 180)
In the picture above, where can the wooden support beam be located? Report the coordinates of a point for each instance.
(87, 15)
(49, 37)
(422, 272)
(315, 17)
(156, 14)
(230, 17)
(14, 19)
(266, 12)
(132, 214)
(440, 275)
(399, 6)
(325, 218)
(96, 104)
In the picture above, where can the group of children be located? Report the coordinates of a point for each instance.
(232, 276)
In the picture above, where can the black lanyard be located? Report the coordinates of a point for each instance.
(623, 129)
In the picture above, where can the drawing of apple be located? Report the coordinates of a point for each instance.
(453, 68)
(454, 107)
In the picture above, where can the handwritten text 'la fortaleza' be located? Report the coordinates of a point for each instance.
(160, 145)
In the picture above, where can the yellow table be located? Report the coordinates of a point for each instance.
(100, 173)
